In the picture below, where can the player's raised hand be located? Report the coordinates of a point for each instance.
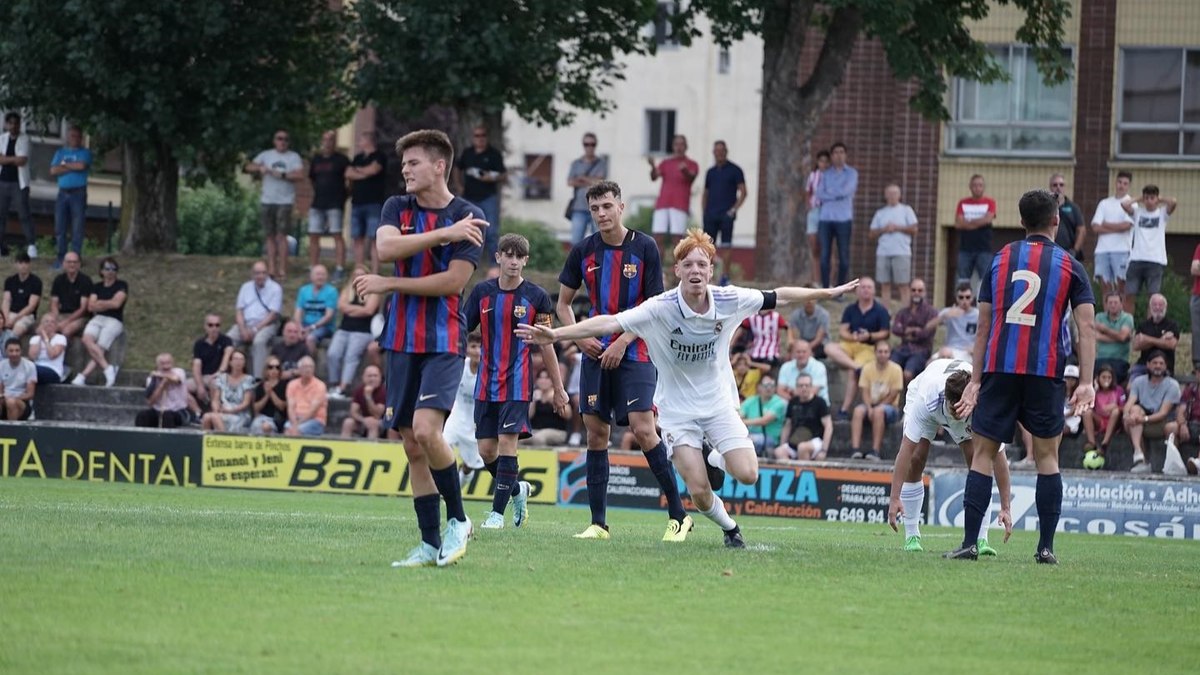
(1083, 399)
(844, 288)
(538, 335)
(966, 404)
(895, 511)
(468, 229)
(371, 284)
(1005, 519)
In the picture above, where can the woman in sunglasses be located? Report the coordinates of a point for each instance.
(107, 305)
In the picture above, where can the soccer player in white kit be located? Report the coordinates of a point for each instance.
(460, 424)
(687, 330)
(929, 405)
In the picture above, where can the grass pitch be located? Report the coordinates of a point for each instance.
(116, 578)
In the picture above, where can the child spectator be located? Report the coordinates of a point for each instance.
(1106, 416)
(767, 332)
(47, 350)
(18, 376)
(1071, 422)
(350, 342)
(745, 375)
(232, 396)
(366, 405)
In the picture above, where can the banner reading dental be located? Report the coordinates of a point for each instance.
(1140, 508)
(150, 457)
(356, 467)
(846, 495)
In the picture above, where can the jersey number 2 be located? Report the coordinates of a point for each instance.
(1016, 314)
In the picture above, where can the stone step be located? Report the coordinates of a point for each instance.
(66, 393)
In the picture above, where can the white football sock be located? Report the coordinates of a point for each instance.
(718, 515)
(912, 496)
(716, 459)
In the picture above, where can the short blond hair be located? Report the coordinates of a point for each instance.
(695, 239)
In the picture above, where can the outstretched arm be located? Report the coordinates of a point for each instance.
(604, 324)
(793, 295)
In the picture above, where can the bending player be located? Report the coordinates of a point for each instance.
(504, 386)
(687, 331)
(434, 239)
(460, 425)
(930, 404)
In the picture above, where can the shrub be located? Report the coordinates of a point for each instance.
(545, 251)
(219, 221)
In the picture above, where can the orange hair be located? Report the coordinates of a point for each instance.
(695, 238)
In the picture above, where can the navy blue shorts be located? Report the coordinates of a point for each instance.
(493, 418)
(613, 394)
(1005, 399)
(419, 381)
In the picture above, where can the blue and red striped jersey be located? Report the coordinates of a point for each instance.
(506, 361)
(420, 324)
(617, 277)
(1031, 286)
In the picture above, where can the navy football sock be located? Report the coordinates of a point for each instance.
(428, 516)
(506, 482)
(1049, 507)
(976, 498)
(446, 480)
(491, 466)
(597, 484)
(665, 474)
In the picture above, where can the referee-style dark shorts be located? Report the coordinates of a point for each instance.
(419, 381)
(613, 394)
(493, 418)
(1005, 399)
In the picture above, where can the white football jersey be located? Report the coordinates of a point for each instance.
(462, 416)
(690, 350)
(925, 408)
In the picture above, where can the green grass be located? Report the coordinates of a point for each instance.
(136, 579)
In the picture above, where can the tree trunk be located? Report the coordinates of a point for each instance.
(149, 199)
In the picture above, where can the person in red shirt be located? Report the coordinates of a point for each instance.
(672, 209)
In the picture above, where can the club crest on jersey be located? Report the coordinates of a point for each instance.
(717, 328)
(519, 311)
(629, 270)
(592, 399)
(670, 439)
(387, 414)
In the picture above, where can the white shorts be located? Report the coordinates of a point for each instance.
(960, 354)
(817, 442)
(104, 330)
(725, 431)
(459, 433)
(669, 221)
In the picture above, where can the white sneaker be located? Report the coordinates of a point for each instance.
(421, 556)
(495, 521)
(454, 542)
(1140, 466)
(110, 375)
(575, 439)
(79, 380)
(520, 503)
(336, 394)
(32, 251)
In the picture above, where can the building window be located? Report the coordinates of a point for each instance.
(724, 61)
(539, 170)
(664, 32)
(1018, 117)
(1159, 109)
(660, 130)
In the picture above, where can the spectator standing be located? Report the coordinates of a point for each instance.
(1148, 253)
(19, 379)
(808, 429)
(48, 350)
(548, 427)
(673, 207)
(724, 192)
(1114, 336)
(911, 325)
(836, 191)
(327, 171)
(316, 308)
(763, 414)
(270, 400)
(810, 322)
(166, 394)
(864, 323)
(14, 180)
(803, 363)
(768, 333)
(232, 396)
(367, 406)
(210, 357)
(481, 171)
(280, 168)
(22, 296)
(1157, 332)
(367, 175)
(290, 350)
(70, 166)
(879, 383)
(813, 219)
(307, 402)
(258, 306)
(893, 228)
(1071, 232)
(585, 172)
(1114, 235)
(107, 304)
(69, 295)
(1152, 399)
(349, 343)
(962, 323)
(973, 218)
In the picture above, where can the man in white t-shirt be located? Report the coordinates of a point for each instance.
(259, 304)
(280, 168)
(962, 322)
(1148, 253)
(687, 331)
(18, 377)
(893, 227)
(48, 350)
(1114, 230)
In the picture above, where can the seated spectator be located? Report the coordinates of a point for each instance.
(767, 329)
(68, 297)
(48, 351)
(166, 393)
(911, 325)
(864, 323)
(107, 305)
(210, 357)
(366, 406)
(802, 362)
(1187, 420)
(962, 322)
(1155, 333)
(1152, 398)
(1114, 336)
(22, 297)
(879, 384)
(350, 342)
(1106, 415)
(232, 396)
(316, 308)
(746, 374)
(1071, 421)
(548, 428)
(307, 402)
(259, 306)
(270, 400)
(19, 379)
(290, 350)
(810, 322)
(893, 226)
(808, 427)
(763, 414)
